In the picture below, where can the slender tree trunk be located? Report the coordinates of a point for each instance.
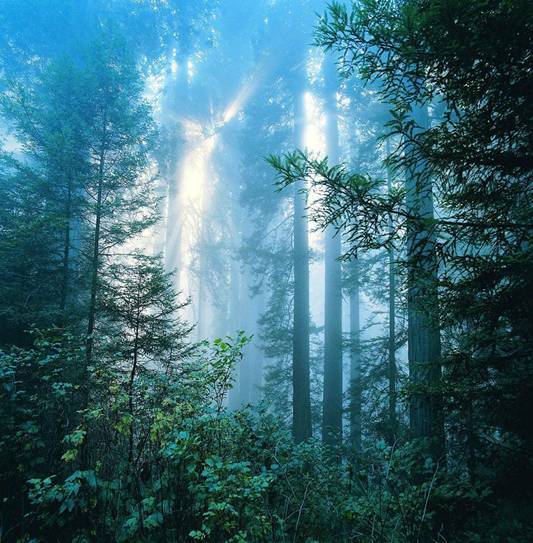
(301, 399)
(130, 388)
(392, 370)
(201, 302)
(95, 264)
(355, 358)
(424, 350)
(246, 368)
(91, 320)
(332, 403)
(66, 256)
(355, 388)
(250, 374)
(173, 226)
(333, 392)
(234, 320)
(255, 355)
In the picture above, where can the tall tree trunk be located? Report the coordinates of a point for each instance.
(91, 320)
(424, 349)
(355, 389)
(66, 256)
(201, 327)
(391, 369)
(332, 402)
(255, 354)
(95, 269)
(131, 382)
(250, 377)
(301, 399)
(246, 368)
(235, 324)
(355, 358)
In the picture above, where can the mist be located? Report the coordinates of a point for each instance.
(265, 270)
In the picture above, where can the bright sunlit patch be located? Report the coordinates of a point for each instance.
(194, 188)
(201, 143)
(315, 143)
(240, 101)
(11, 144)
(314, 136)
(196, 181)
(193, 175)
(190, 70)
(153, 89)
(192, 130)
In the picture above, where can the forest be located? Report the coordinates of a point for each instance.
(266, 271)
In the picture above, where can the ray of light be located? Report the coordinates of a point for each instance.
(192, 130)
(196, 165)
(195, 191)
(314, 134)
(196, 180)
(238, 103)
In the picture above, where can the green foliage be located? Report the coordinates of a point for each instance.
(469, 260)
(205, 474)
(36, 407)
(134, 442)
(201, 473)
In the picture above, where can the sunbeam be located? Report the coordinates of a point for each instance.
(264, 270)
(236, 105)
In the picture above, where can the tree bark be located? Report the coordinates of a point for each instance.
(392, 369)
(66, 255)
(95, 264)
(301, 425)
(234, 309)
(332, 401)
(355, 359)
(424, 349)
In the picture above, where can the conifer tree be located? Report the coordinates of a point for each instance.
(118, 134)
(141, 329)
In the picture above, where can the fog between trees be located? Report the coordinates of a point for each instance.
(265, 270)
